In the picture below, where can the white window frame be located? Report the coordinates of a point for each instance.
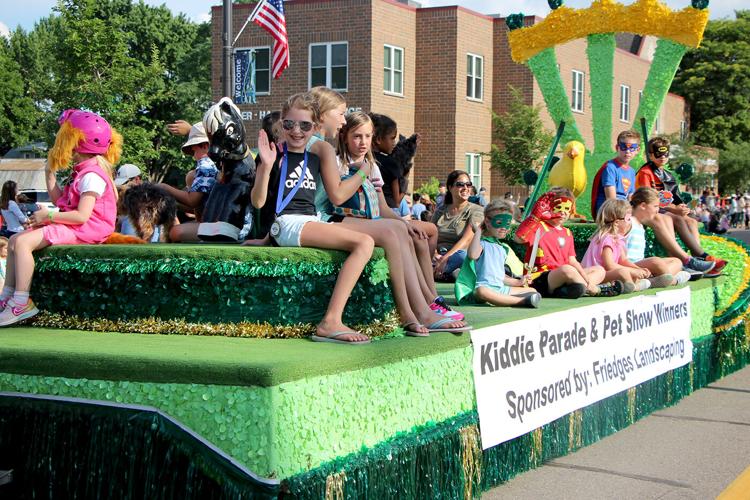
(328, 82)
(473, 77)
(624, 103)
(577, 88)
(473, 163)
(393, 70)
(270, 62)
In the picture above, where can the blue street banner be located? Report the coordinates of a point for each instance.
(244, 76)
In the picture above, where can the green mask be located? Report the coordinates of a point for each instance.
(501, 221)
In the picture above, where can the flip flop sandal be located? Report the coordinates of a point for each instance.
(437, 326)
(413, 332)
(332, 338)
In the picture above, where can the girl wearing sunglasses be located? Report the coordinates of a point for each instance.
(454, 220)
(296, 222)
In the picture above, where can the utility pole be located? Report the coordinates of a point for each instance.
(227, 52)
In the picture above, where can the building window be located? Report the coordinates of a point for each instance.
(393, 70)
(624, 103)
(329, 65)
(474, 168)
(683, 130)
(474, 76)
(576, 102)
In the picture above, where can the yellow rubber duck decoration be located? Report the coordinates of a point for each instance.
(570, 171)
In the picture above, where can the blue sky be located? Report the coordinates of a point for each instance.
(27, 12)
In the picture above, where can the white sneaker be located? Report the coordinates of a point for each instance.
(642, 285)
(682, 277)
(14, 313)
(663, 280)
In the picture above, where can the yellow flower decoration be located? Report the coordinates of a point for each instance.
(644, 17)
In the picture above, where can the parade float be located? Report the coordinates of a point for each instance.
(185, 370)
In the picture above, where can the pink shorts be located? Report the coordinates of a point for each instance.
(61, 234)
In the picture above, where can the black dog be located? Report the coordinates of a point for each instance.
(403, 153)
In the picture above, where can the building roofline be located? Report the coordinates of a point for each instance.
(458, 8)
(534, 17)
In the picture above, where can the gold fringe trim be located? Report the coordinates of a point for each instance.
(537, 446)
(335, 486)
(471, 459)
(631, 404)
(575, 430)
(643, 17)
(158, 326)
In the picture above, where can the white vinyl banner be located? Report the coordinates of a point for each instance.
(530, 372)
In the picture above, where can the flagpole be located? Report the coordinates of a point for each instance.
(227, 49)
(250, 18)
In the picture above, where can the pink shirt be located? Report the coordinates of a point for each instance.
(101, 224)
(593, 255)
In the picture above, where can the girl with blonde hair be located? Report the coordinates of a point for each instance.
(607, 247)
(88, 205)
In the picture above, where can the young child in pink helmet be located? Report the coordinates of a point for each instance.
(88, 205)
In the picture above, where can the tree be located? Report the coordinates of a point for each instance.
(519, 139)
(139, 66)
(734, 167)
(17, 111)
(713, 78)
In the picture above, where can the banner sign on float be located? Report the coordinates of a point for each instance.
(530, 372)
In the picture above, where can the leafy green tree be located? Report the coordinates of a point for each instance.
(16, 107)
(713, 78)
(138, 65)
(734, 167)
(519, 139)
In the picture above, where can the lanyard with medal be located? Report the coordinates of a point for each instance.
(281, 201)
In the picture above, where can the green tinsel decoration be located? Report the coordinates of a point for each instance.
(544, 67)
(200, 291)
(600, 51)
(554, 4)
(514, 21)
(72, 449)
(699, 4)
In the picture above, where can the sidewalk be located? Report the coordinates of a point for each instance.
(694, 449)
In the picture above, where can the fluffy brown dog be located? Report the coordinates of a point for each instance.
(147, 207)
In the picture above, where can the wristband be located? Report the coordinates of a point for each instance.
(49, 216)
(362, 174)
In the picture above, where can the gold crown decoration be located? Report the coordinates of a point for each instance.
(643, 17)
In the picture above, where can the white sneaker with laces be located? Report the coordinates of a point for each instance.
(13, 313)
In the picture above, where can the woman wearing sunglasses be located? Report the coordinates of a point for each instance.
(454, 219)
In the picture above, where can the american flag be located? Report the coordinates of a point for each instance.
(269, 15)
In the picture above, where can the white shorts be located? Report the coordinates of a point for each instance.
(290, 228)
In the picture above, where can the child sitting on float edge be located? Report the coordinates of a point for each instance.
(88, 205)
(489, 255)
(645, 205)
(296, 222)
(607, 249)
(556, 271)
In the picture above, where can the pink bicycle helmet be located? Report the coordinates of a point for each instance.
(96, 130)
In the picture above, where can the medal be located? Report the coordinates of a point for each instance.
(275, 229)
(561, 241)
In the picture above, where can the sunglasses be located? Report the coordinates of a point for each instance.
(304, 126)
(462, 184)
(630, 148)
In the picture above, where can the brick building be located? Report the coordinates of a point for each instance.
(439, 71)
